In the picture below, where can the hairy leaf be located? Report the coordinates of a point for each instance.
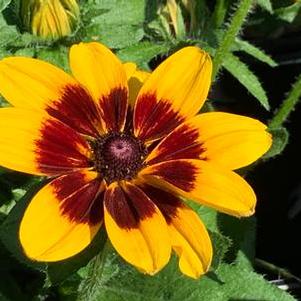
(265, 4)
(142, 53)
(247, 78)
(255, 52)
(4, 4)
(280, 140)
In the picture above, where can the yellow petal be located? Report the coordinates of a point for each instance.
(205, 183)
(62, 218)
(101, 72)
(175, 91)
(31, 83)
(129, 69)
(135, 83)
(191, 242)
(229, 140)
(36, 143)
(136, 228)
(189, 236)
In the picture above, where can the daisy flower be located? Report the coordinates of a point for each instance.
(123, 149)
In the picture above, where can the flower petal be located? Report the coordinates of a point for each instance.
(36, 143)
(135, 83)
(136, 228)
(190, 239)
(63, 217)
(229, 140)
(101, 72)
(205, 183)
(175, 91)
(32, 83)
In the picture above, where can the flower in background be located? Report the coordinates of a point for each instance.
(51, 19)
(123, 148)
(177, 17)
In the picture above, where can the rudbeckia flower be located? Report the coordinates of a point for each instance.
(50, 18)
(124, 149)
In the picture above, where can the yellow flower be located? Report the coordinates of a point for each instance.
(50, 18)
(122, 148)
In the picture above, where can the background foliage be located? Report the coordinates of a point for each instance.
(145, 32)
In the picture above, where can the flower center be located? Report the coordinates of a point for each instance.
(118, 156)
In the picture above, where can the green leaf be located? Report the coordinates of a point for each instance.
(180, 24)
(10, 228)
(242, 233)
(221, 245)
(57, 55)
(247, 78)
(8, 35)
(242, 9)
(236, 283)
(265, 4)
(142, 53)
(116, 36)
(4, 4)
(108, 278)
(59, 271)
(280, 140)
(9, 290)
(117, 281)
(255, 52)
(119, 25)
(288, 13)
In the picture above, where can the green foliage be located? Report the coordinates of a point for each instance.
(117, 282)
(142, 53)
(255, 52)
(246, 77)
(4, 4)
(280, 140)
(243, 8)
(119, 25)
(288, 13)
(266, 4)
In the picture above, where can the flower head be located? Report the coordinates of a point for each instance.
(122, 148)
(50, 18)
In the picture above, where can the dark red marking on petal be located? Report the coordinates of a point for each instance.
(78, 198)
(96, 212)
(129, 121)
(57, 149)
(165, 201)
(181, 174)
(113, 109)
(127, 209)
(142, 204)
(154, 118)
(180, 144)
(77, 109)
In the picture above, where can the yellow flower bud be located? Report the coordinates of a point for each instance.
(50, 18)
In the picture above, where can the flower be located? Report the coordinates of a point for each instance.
(50, 18)
(124, 163)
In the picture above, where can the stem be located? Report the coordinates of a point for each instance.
(239, 16)
(287, 106)
(219, 13)
(276, 270)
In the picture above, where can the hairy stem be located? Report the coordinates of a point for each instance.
(219, 13)
(287, 106)
(243, 7)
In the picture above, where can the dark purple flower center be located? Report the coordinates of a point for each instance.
(118, 156)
